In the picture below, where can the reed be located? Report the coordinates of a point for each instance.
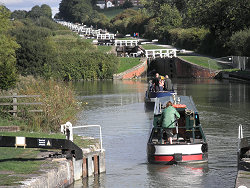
(59, 104)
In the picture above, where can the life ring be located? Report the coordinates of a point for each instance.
(179, 106)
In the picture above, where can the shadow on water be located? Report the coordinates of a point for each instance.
(119, 108)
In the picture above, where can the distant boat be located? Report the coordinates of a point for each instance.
(189, 141)
(151, 96)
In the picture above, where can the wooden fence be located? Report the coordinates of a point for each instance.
(15, 104)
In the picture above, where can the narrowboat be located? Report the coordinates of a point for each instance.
(151, 96)
(189, 142)
(243, 151)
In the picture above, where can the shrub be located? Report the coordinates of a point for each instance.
(59, 103)
(190, 38)
(239, 43)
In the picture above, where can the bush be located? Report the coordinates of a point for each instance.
(239, 43)
(190, 38)
(59, 103)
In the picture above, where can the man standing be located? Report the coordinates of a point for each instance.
(168, 84)
(156, 81)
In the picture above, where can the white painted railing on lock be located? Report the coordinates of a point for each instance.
(126, 42)
(162, 53)
(106, 36)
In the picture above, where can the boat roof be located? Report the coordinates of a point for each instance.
(187, 100)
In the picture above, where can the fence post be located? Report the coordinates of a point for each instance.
(14, 105)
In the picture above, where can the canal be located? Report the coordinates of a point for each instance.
(118, 106)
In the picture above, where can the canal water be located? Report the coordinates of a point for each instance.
(118, 106)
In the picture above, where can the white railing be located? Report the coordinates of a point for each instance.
(162, 53)
(67, 129)
(126, 42)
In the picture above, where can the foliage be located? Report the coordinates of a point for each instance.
(59, 103)
(37, 12)
(75, 10)
(239, 43)
(130, 21)
(36, 52)
(190, 38)
(127, 4)
(7, 52)
(19, 14)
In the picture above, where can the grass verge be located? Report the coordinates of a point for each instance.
(152, 47)
(206, 62)
(17, 164)
(127, 63)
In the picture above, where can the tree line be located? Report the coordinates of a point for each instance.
(31, 43)
(213, 27)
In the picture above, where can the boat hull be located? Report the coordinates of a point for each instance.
(181, 153)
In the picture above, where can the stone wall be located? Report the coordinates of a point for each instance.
(133, 72)
(185, 69)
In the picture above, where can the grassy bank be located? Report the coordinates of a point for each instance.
(127, 63)
(152, 47)
(18, 164)
(111, 13)
(206, 62)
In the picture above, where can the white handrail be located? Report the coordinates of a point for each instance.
(86, 126)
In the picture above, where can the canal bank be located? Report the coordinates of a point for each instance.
(47, 167)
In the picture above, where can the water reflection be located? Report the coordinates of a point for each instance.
(118, 106)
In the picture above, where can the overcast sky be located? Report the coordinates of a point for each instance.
(28, 4)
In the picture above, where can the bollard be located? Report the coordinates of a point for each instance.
(96, 164)
(84, 168)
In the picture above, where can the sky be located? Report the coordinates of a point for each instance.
(28, 4)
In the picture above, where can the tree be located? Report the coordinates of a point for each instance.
(19, 14)
(46, 11)
(37, 12)
(37, 51)
(8, 46)
(127, 4)
(168, 18)
(75, 10)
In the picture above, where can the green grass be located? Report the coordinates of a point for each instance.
(17, 163)
(205, 62)
(127, 38)
(152, 47)
(127, 63)
(111, 13)
(104, 49)
(11, 122)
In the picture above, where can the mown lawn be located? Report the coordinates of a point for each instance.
(205, 62)
(16, 164)
(103, 48)
(152, 47)
(111, 13)
(127, 63)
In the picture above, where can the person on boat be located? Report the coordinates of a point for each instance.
(168, 120)
(156, 81)
(168, 84)
(161, 84)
